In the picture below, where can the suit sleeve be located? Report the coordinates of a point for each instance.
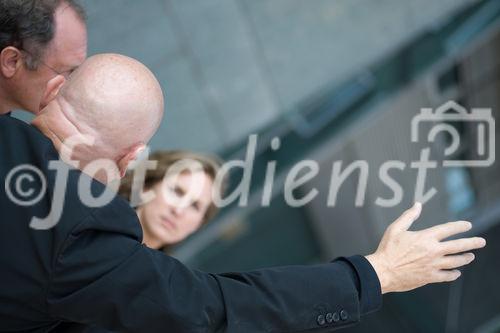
(104, 276)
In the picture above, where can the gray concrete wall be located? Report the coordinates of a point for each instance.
(229, 67)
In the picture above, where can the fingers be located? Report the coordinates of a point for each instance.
(449, 229)
(463, 245)
(405, 221)
(455, 261)
(447, 276)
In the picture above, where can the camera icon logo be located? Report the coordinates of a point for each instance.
(450, 114)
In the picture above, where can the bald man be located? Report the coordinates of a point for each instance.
(88, 268)
(118, 109)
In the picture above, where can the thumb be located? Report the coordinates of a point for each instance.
(404, 222)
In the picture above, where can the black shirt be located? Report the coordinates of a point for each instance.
(91, 269)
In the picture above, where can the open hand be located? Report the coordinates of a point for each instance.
(407, 260)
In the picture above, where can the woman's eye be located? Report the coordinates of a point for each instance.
(179, 192)
(175, 190)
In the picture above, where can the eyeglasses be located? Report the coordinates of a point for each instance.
(65, 74)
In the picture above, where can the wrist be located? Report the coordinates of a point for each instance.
(383, 273)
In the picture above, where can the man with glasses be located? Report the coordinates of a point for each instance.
(41, 43)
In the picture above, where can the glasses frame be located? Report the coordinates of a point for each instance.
(45, 64)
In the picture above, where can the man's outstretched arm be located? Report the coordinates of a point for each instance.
(104, 276)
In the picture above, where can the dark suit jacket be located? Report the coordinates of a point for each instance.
(91, 269)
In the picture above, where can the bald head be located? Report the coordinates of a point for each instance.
(111, 98)
(114, 98)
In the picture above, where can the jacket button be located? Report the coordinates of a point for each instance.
(336, 317)
(329, 317)
(344, 315)
(321, 320)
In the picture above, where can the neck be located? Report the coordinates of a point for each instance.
(4, 111)
(74, 147)
(147, 239)
(151, 242)
(54, 124)
(6, 106)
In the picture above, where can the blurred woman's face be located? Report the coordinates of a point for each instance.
(178, 209)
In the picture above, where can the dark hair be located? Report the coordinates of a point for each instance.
(166, 159)
(29, 25)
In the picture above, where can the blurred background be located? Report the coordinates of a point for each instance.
(335, 80)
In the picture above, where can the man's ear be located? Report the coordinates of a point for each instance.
(11, 60)
(132, 155)
(51, 90)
